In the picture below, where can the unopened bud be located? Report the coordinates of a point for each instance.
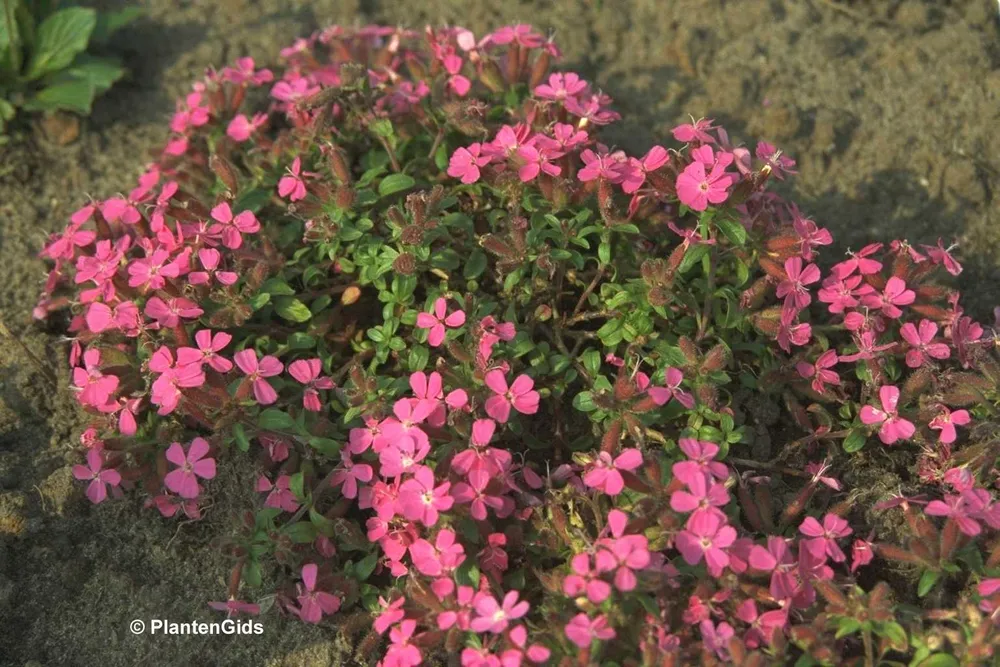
(350, 295)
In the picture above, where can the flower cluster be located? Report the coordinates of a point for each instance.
(510, 389)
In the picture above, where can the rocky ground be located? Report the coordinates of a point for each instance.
(890, 108)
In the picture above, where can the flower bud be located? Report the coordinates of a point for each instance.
(405, 264)
(350, 295)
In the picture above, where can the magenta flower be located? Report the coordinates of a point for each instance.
(893, 426)
(99, 478)
(704, 495)
(313, 604)
(586, 580)
(921, 343)
(167, 387)
(560, 86)
(268, 366)
(701, 454)
(697, 188)
(706, 536)
(306, 371)
(151, 272)
(279, 494)
(437, 320)
(209, 345)
(520, 395)
(820, 371)
(292, 185)
(716, 638)
(401, 652)
(420, 500)
(695, 131)
(946, 422)
(536, 160)
(859, 262)
(824, 537)
(439, 558)
(466, 162)
(889, 301)
(582, 630)
(661, 395)
(232, 606)
(495, 616)
(242, 128)
(184, 479)
(793, 289)
(604, 475)
(941, 255)
(958, 509)
(810, 234)
(391, 614)
(637, 169)
(350, 474)
(602, 165)
(210, 259)
(95, 387)
(623, 554)
(231, 228)
(862, 553)
(169, 313)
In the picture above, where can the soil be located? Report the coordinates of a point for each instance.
(887, 105)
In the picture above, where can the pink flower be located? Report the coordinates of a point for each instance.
(585, 580)
(824, 537)
(859, 262)
(601, 165)
(700, 453)
(313, 604)
(209, 346)
(946, 422)
(941, 255)
(184, 480)
(697, 189)
(494, 616)
(268, 366)
(793, 289)
(520, 395)
(705, 495)
(401, 653)
(921, 343)
(231, 228)
(536, 159)
(350, 474)
(604, 474)
(96, 387)
(210, 259)
(437, 320)
(99, 479)
(819, 371)
(582, 630)
(861, 553)
(622, 553)
(706, 536)
(292, 185)
(167, 387)
(716, 638)
(392, 613)
(958, 509)
(893, 427)
(475, 494)
(442, 557)
(638, 169)
(279, 494)
(420, 500)
(151, 272)
(242, 128)
(465, 163)
(169, 313)
(560, 86)
(895, 294)
(695, 131)
(306, 371)
(661, 395)
(811, 234)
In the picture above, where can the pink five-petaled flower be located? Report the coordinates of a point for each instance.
(889, 301)
(957, 508)
(793, 289)
(697, 188)
(661, 395)
(439, 558)
(495, 616)
(313, 604)
(466, 161)
(622, 553)
(824, 537)
(537, 159)
(560, 86)
(520, 395)
(420, 500)
(232, 228)
(99, 479)
(209, 346)
(820, 371)
(184, 479)
(921, 343)
(96, 387)
(946, 422)
(241, 128)
(392, 613)
(279, 494)
(292, 185)
(586, 580)
(438, 319)
(604, 474)
(167, 387)
(169, 313)
(350, 474)
(893, 427)
(306, 371)
(582, 630)
(704, 495)
(256, 371)
(210, 259)
(695, 131)
(700, 454)
(401, 653)
(706, 536)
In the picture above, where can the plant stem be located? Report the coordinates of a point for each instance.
(590, 288)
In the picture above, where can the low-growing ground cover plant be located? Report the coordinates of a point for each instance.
(517, 397)
(44, 64)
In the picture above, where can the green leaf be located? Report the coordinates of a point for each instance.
(10, 57)
(692, 257)
(241, 437)
(847, 626)
(592, 361)
(896, 635)
(734, 230)
(100, 72)
(467, 574)
(366, 566)
(277, 287)
(251, 573)
(301, 532)
(61, 37)
(292, 309)
(75, 96)
(939, 660)
(475, 265)
(855, 441)
(108, 23)
(927, 581)
(395, 183)
(273, 419)
(584, 402)
(604, 253)
(296, 484)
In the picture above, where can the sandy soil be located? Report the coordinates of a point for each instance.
(890, 108)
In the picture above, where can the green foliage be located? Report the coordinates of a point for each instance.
(44, 64)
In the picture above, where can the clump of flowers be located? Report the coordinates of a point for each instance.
(497, 375)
